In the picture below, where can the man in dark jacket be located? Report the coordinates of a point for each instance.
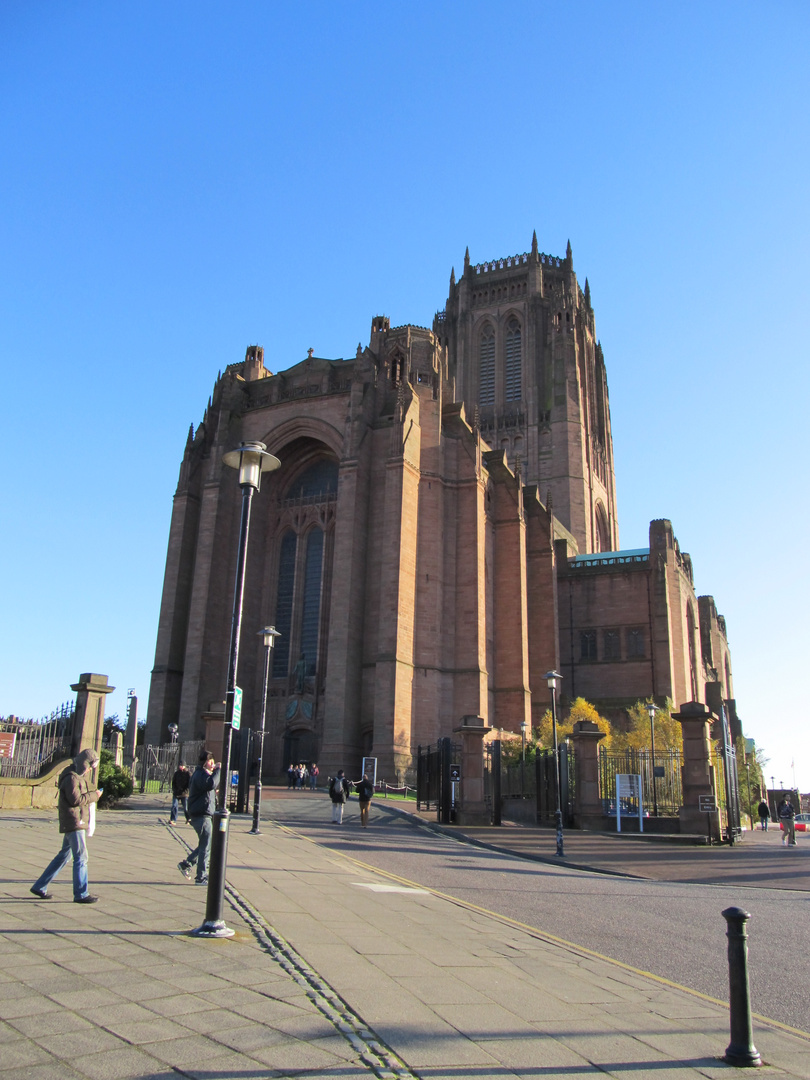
(338, 792)
(365, 790)
(180, 782)
(202, 803)
(75, 800)
(786, 814)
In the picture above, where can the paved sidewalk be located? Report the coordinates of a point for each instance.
(335, 971)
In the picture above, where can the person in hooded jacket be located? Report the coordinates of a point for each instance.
(75, 799)
(202, 805)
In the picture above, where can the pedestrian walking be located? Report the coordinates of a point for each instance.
(338, 792)
(291, 775)
(786, 814)
(202, 804)
(314, 772)
(365, 790)
(180, 782)
(75, 800)
(764, 812)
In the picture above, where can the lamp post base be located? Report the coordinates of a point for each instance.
(216, 929)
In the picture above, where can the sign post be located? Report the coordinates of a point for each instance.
(628, 786)
(707, 805)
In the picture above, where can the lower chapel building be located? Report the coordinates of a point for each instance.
(441, 533)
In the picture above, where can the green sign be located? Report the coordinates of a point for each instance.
(237, 708)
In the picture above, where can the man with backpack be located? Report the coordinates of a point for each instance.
(365, 789)
(338, 792)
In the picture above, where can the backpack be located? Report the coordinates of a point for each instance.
(336, 791)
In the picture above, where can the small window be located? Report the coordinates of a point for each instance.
(635, 643)
(613, 649)
(587, 645)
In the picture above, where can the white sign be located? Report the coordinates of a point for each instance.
(628, 786)
(369, 769)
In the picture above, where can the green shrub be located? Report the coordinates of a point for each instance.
(117, 783)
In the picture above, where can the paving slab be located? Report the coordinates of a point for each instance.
(326, 974)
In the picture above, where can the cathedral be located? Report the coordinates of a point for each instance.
(443, 530)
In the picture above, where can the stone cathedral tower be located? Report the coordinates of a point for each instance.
(523, 350)
(441, 532)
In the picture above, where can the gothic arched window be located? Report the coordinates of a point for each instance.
(284, 604)
(311, 599)
(512, 387)
(486, 378)
(601, 539)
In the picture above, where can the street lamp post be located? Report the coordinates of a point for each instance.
(251, 459)
(523, 728)
(269, 635)
(551, 678)
(651, 709)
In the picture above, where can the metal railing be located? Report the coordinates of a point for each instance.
(37, 744)
(660, 780)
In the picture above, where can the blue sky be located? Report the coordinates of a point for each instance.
(181, 180)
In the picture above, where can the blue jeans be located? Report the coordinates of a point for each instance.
(74, 843)
(176, 800)
(203, 827)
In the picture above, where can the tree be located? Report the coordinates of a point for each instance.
(112, 723)
(116, 783)
(580, 710)
(668, 732)
(752, 784)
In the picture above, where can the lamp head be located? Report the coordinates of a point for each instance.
(651, 709)
(269, 635)
(251, 459)
(551, 678)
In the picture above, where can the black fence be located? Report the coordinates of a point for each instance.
(35, 745)
(546, 784)
(661, 790)
(435, 786)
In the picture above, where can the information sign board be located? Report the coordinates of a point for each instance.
(369, 769)
(7, 743)
(236, 722)
(707, 804)
(628, 788)
(455, 773)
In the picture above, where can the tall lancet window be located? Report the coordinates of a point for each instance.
(512, 387)
(486, 377)
(284, 604)
(311, 599)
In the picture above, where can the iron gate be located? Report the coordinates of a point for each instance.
(661, 790)
(546, 781)
(434, 788)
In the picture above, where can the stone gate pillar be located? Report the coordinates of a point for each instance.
(697, 774)
(473, 809)
(88, 720)
(588, 811)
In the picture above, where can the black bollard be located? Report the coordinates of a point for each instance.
(741, 1050)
